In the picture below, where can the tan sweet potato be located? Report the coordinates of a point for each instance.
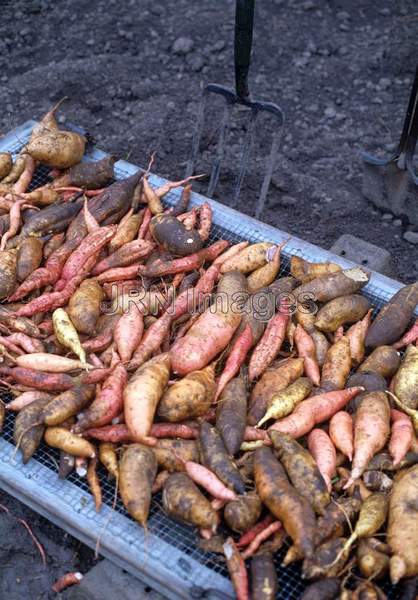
(337, 366)
(61, 438)
(137, 471)
(215, 458)
(251, 258)
(231, 414)
(6, 164)
(342, 311)
(283, 501)
(183, 501)
(172, 454)
(84, 307)
(384, 360)
(188, 398)
(8, 266)
(405, 385)
(59, 149)
(328, 287)
(29, 257)
(241, 514)
(28, 427)
(67, 405)
(305, 271)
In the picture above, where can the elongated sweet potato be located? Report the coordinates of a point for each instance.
(216, 458)
(29, 257)
(324, 589)
(66, 405)
(249, 259)
(142, 394)
(88, 175)
(28, 428)
(306, 271)
(8, 268)
(213, 330)
(231, 414)
(341, 311)
(137, 471)
(61, 438)
(403, 525)
(301, 470)
(272, 381)
(264, 583)
(394, 317)
(284, 501)
(183, 501)
(405, 385)
(337, 366)
(189, 397)
(283, 403)
(328, 287)
(6, 164)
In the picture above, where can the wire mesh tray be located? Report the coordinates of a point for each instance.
(166, 557)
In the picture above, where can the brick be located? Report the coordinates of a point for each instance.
(363, 253)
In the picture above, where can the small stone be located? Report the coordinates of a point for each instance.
(384, 83)
(342, 15)
(330, 112)
(411, 237)
(288, 201)
(387, 217)
(308, 5)
(183, 45)
(218, 46)
(196, 63)
(385, 12)
(397, 222)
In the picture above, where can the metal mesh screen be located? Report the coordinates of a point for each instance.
(182, 537)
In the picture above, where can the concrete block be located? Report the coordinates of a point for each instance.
(363, 253)
(106, 581)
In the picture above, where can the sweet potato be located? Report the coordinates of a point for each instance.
(403, 525)
(272, 381)
(372, 563)
(384, 462)
(266, 274)
(28, 428)
(323, 451)
(52, 363)
(108, 458)
(249, 259)
(26, 398)
(401, 435)
(8, 272)
(189, 397)
(66, 405)
(61, 438)
(231, 414)
(129, 253)
(384, 360)
(137, 472)
(29, 257)
(371, 431)
(302, 470)
(328, 287)
(283, 501)
(108, 402)
(341, 433)
(126, 231)
(59, 149)
(49, 382)
(241, 514)
(394, 317)
(66, 333)
(405, 385)
(142, 394)
(237, 570)
(88, 175)
(128, 332)
(327, 561)
(172, 454)
(283, 403)
(6, 164)
(306, 349)
(337, 366)
(324, 589)
(213, 330)
(215, 457)
(240, 348)
(341, 311)
(376, 481)
(264, 583)
(269, 346)
(183, 501)
(84, 306)
(314, 410)
(305, 271)
(173, 236)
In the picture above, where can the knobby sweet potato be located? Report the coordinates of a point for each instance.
(216, 458)
(342, 311)
(137, 471)
(405, 384)
(231, 414)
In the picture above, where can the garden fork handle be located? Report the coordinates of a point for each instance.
(244, 19)
(410, 117)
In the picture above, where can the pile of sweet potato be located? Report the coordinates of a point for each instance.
(275, 405)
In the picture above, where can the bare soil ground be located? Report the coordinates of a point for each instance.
(133, 71)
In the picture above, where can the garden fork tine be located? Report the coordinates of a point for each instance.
(244, 18)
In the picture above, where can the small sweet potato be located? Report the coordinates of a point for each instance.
(61, 438)
(342, 311)
(394, 317)
(137, 472)
(324, 589)
(188, 398)
(283, 501)
(66, 405)
(172, 235)
(59, 149)
(328, 287)
(384, 360)
(28, 428)
(405, 384)
(231, 414)
(29, 257)
(8, 267)
(327, 561)
(183, 501)
(88, 175)
(84, 306)
(249, 259)
(6, 164)
(337, 366)
(264, 583)
(172, 454)
(241, 514)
